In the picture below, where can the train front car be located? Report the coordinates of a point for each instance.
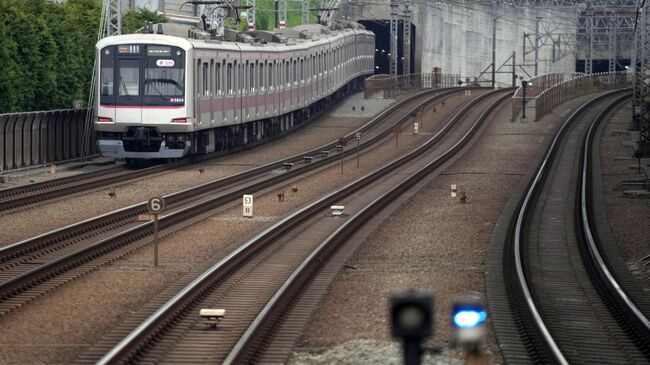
(142, 109)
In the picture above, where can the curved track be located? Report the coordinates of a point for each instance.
(25, 196)
(278, 263)
(567, 305)
(60, 254)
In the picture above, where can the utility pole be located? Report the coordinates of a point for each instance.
(304, 12)
(537, 19)
(514, 74)
(408, 14)
(393, 37)
(251, 14)
(113, 18)
(644, 54)
(494, 42)
(613, 44)
(280, 14)
(590, 32)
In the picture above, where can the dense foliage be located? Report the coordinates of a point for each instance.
(135, 19)
(46, 53)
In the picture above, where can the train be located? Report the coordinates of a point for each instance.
(173, 90)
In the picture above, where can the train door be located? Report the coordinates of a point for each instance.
(129, 89)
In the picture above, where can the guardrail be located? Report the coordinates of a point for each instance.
(386, 87)
(35, 138)
(542, 101)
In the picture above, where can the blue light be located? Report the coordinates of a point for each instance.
(468, 318)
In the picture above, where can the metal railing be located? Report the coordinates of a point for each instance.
(386, 87)
(34, 138)
(542, 100)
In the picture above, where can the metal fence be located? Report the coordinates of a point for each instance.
(28, 139)
(386, 87)
(542, 102)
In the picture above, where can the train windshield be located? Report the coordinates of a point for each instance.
(142, 75)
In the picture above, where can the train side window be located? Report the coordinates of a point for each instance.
(245, 84)
(204, 77)
(217, 79)
(286, 74)
(239, 86)
(229, 78)
(252, 77)
(295, 72)
(261, 77)
(213, 90)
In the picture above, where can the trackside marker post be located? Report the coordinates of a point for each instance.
(358, 136)
(247, 203)
(155, 205)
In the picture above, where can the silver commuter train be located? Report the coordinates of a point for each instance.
(178, 91)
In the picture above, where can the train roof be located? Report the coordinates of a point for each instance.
(186, 37)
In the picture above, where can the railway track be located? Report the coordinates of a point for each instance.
(29, 195)
(261, 280)
(58, 256)
(567, 304)
(39, 193)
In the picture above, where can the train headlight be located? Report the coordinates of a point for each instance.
(468, 319)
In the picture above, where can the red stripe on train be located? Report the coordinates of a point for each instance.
(142, 107)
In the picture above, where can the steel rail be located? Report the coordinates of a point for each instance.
(17, 197)
(127, 213)
(181, 301)
(30, 194)
(299, 278)
(519, 229)
(594, 256)
(36, 275)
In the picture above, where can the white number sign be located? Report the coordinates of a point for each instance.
(248, 205)
(156, 205)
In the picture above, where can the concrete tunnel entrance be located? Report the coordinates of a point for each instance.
(381, 28)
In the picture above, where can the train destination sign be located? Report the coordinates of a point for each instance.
(165, 63)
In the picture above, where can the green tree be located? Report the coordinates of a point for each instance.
(46, 52)
(9, 88)
(135, 19)
(262, 20)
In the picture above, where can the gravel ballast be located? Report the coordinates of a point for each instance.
(78, 314)
(432, 243)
